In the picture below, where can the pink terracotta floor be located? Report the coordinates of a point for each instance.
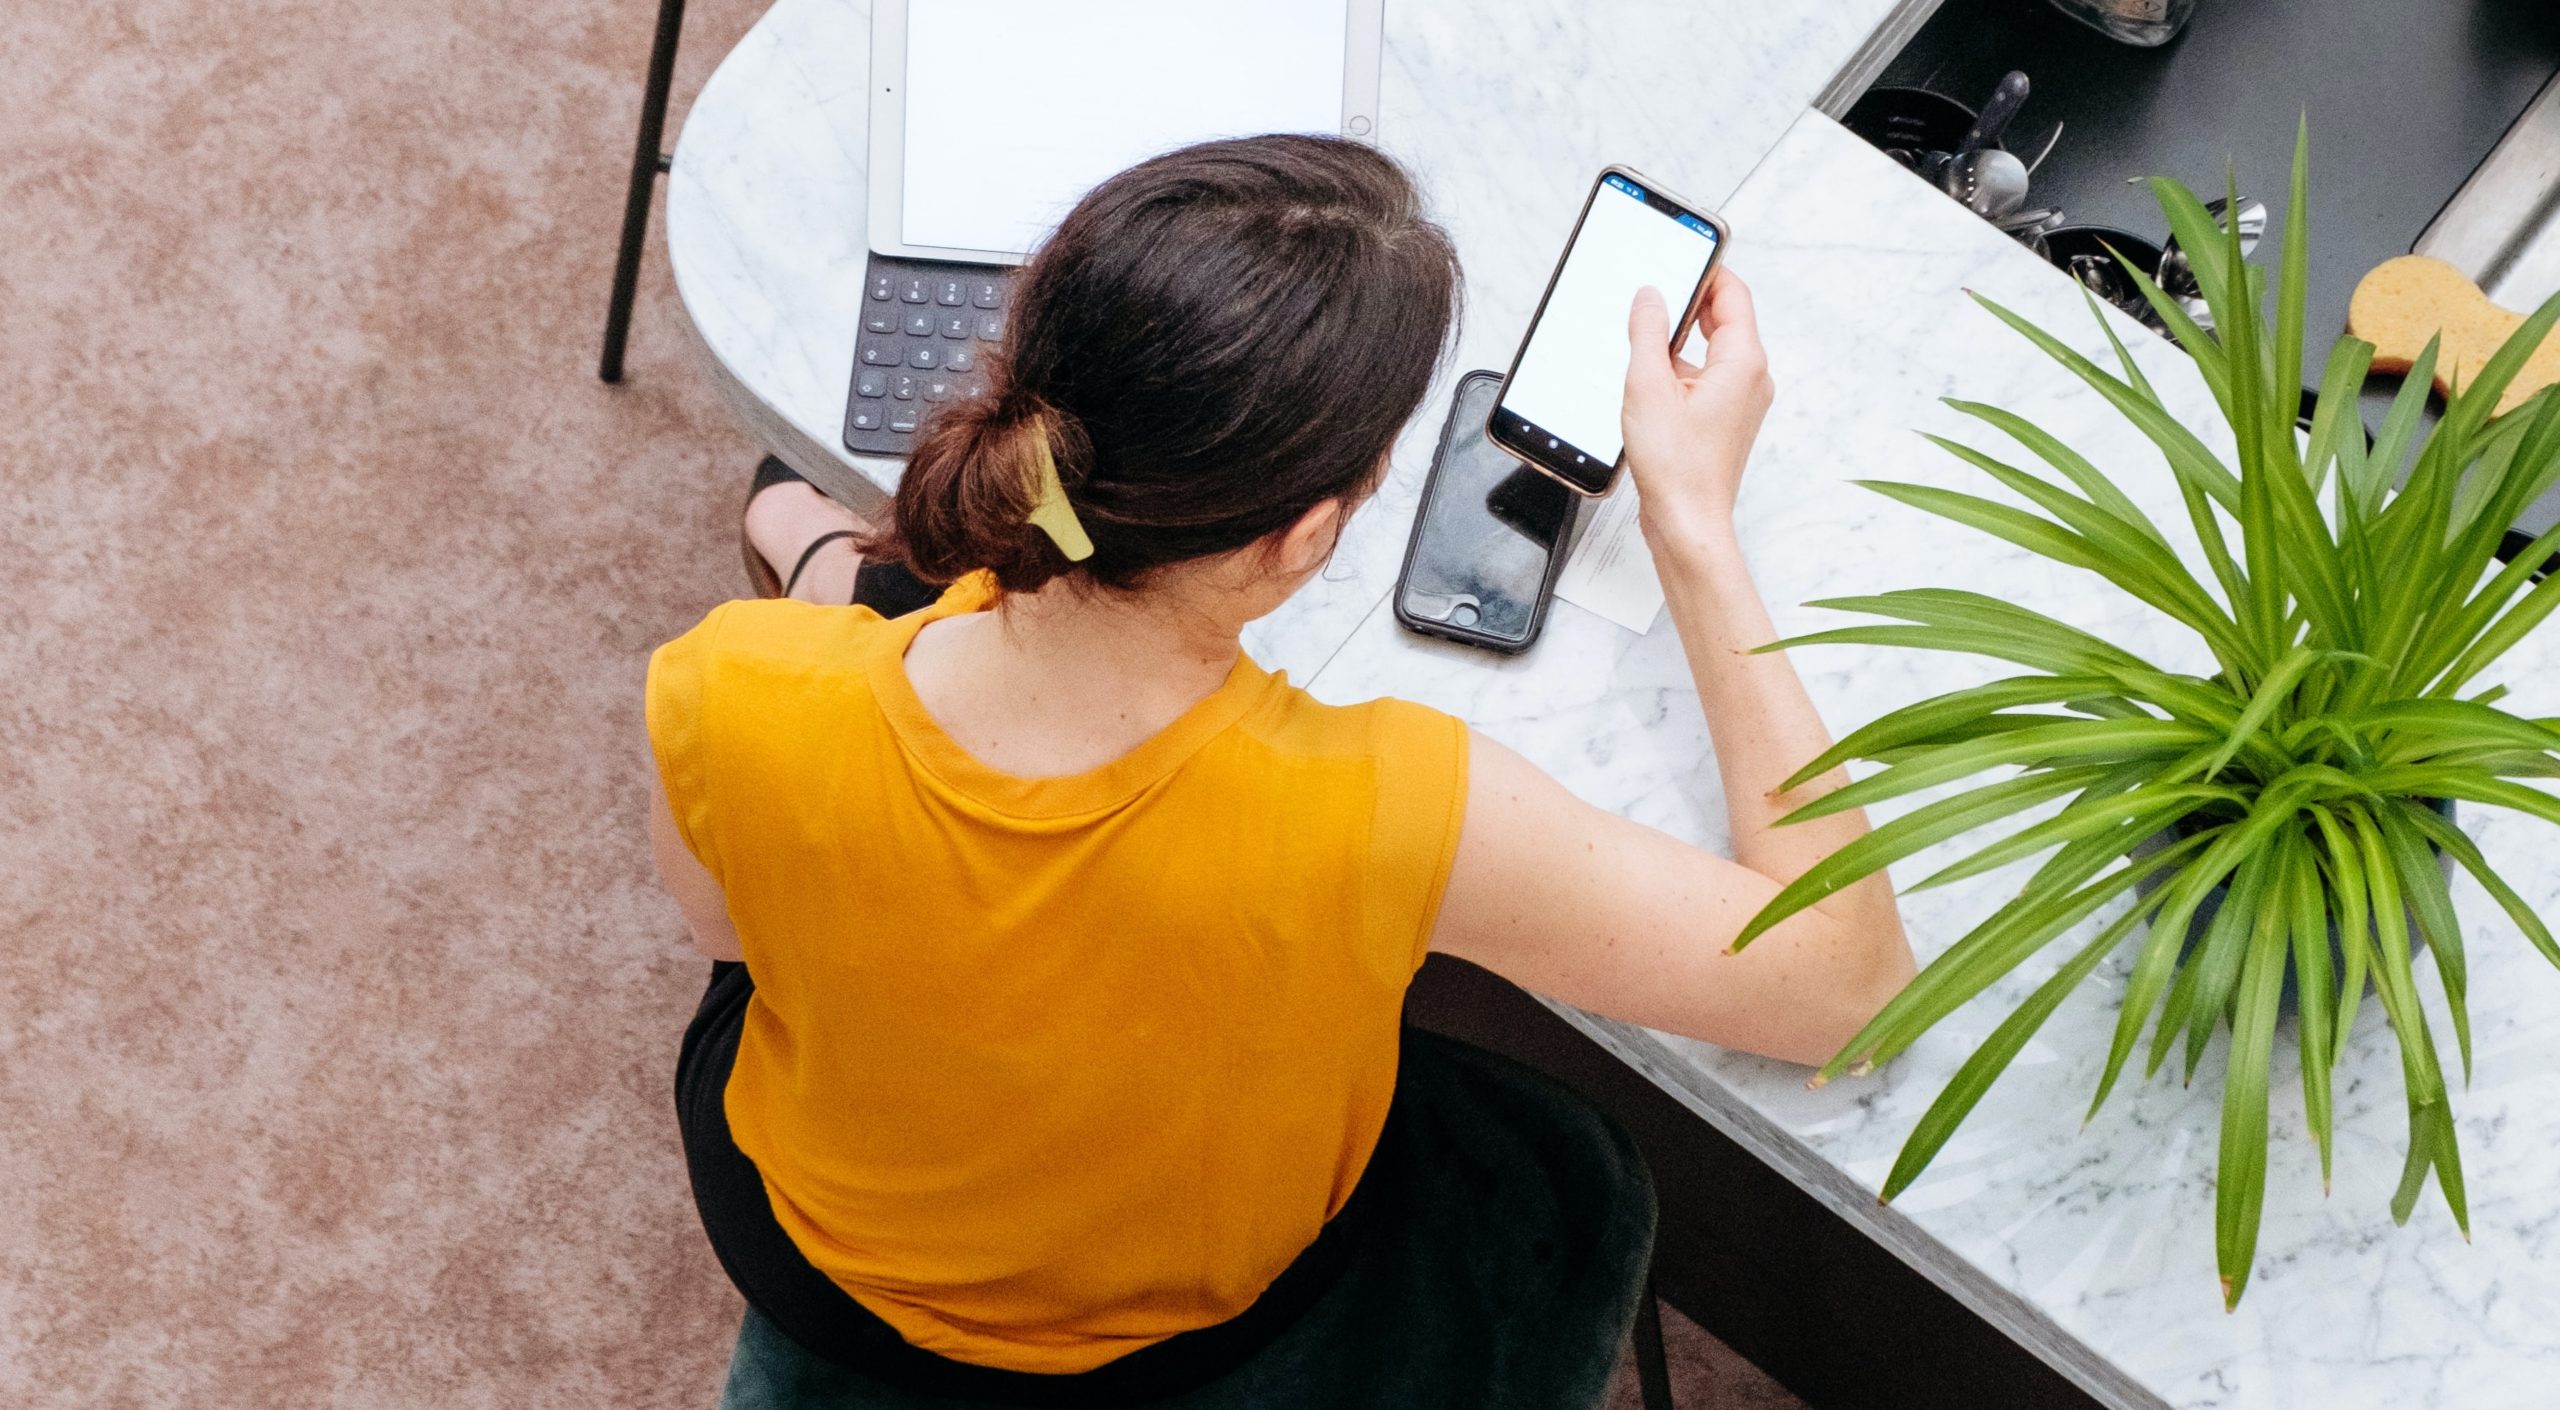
(336, 1008)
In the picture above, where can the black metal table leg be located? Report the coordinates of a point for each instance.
(647, 160)
(1653, 1369)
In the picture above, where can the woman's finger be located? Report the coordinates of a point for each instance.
(1731, 323)
(1649, 361)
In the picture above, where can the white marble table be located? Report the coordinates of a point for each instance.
(2092, 1248)
(765, 202)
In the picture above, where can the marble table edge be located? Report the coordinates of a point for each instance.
(2008, 1312)
(778, 436)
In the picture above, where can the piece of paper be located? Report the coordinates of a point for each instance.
(1611, 569)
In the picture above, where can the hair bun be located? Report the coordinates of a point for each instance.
(965, 502)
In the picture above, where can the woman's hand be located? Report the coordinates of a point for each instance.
(1689, 428)
(1615, 917)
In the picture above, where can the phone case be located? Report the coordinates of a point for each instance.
(1421, 515)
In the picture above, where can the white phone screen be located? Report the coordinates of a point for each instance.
(1572, 375)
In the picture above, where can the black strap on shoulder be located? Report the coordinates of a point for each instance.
(810, 552)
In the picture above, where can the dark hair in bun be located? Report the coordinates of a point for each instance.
(1212, 343)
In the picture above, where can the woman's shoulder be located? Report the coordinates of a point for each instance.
(757, 653)
(1295, 721)
(780, 627)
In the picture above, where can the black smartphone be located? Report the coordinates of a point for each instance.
(1558, 409)
(1488, 539)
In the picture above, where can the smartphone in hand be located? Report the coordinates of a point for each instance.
(1558, 405)
(1488, 539)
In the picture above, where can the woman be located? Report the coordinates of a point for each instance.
(1074, 943)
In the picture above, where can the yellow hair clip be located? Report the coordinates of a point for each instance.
(1050, 512)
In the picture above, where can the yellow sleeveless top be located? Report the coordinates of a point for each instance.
(1042, 1071)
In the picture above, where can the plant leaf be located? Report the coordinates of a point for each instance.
(1926, 720)
(2074, 467)
(2314, 999)
(2458, 845)
(2186, 454)
(2353, 911)
(1964, 1091)
(1922, 827)
(2153, 807)
(2270, 694)
(2240, 1180)
(2111, 740)
(2349, 362)
(2391, 444)
(2050, 903)
(2422, 881)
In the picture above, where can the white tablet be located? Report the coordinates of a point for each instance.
(990, 118)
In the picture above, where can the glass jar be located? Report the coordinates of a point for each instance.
(2147, 23)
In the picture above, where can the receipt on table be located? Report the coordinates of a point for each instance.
(1611, 570)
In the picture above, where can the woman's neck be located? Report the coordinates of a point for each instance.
(1164, 637)
(1066, 679)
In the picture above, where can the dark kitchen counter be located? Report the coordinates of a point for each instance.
(2405, 97)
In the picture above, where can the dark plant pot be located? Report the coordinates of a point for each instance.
(2211, 906)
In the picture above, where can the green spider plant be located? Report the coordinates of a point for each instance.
(2348, 615)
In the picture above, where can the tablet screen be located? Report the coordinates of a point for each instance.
(1015, 108)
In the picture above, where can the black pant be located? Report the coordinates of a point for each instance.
(1490, 1257)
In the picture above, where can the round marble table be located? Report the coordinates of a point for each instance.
(765, 204)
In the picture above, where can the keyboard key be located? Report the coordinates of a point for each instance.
(872, 384)
(920, 324)
(973, 388)
(959, 359)
(866, 418)
(956, 326)
(915, 291)
(922, 356)
(986, 293)
(952, 293)
(903, 420)
(882, 355)
(880, 320)
(880, 287)
(936, 389)
(903, 386)
(991, 326)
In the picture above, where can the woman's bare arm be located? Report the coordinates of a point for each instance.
(696, 891)
(1627, 921)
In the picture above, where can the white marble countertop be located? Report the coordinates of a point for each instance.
(2093, 1248)
(765, 203)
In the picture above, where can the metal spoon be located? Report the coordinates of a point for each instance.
(2177, 276)
(2099, 275)
(1990, 181)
